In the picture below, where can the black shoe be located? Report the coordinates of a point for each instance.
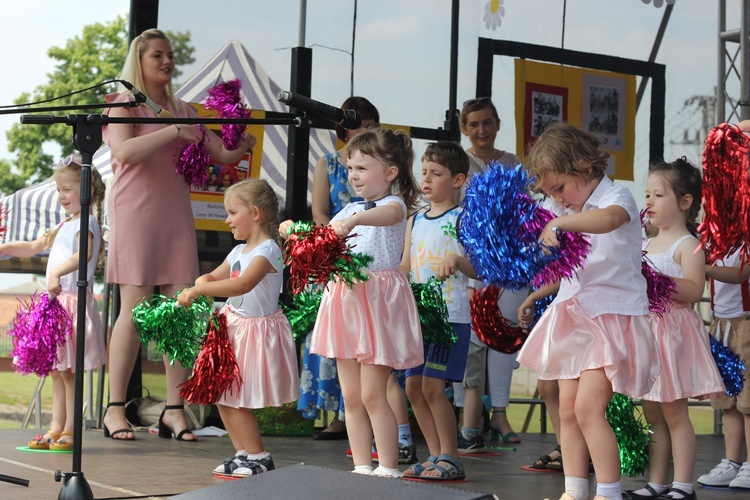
(407, 455)
(684, 495)
(632, 495)
(329, 436)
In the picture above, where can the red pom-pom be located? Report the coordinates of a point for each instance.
(726, 194)
(3, 218)
(313, 256)
(215, 371)
(496, 331)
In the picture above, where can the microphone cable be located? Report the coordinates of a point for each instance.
(26, 104)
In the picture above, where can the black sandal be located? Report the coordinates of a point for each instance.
(548, 462)
(112, 435)
(166, 431)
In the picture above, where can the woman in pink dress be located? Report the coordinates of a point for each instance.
(152, 233)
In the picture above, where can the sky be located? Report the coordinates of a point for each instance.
(402, 50)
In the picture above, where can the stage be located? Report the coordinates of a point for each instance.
(157, 468)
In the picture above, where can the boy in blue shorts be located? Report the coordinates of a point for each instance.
(432, 249)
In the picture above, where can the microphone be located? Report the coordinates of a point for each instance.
(347, 118)
(142, 98)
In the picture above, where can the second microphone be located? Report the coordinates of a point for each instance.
(348, 118)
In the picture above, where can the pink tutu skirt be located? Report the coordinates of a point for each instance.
(375, 322)
(267, 357)
(95, 354)
(566, 342)
(688, 369)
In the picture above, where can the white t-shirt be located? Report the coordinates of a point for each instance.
(66, 244)
(263, 299)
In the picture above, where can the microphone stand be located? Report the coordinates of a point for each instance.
(87, 138)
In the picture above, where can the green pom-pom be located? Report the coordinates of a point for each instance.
(177, 331)
(300, 227)
(302, 313)
(433, 313)
(631, 433)
(351, 268)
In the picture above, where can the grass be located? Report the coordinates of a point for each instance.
(16, 391)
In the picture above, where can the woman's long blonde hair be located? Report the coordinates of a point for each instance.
(132, 73)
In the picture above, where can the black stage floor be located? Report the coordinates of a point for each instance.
(156, 468)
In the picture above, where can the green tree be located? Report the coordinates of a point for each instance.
(96, 56)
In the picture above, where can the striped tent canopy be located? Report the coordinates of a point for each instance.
(30, 211)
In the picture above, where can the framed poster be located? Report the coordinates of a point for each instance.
(545, 104)
(603, 109)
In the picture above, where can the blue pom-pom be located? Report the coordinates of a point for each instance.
(731, 367)
(496, 207)
(540, 306)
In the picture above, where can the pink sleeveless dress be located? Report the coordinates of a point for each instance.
(688, 368)
(152, 231)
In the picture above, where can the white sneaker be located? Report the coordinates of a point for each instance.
(721, 475)
(743, 477)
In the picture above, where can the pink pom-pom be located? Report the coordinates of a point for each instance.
(3, 218)
(40, 327)
(659, 287)
(570, 255)
(193, 163)
(226, 99)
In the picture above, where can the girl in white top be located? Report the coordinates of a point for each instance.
(595, 337)
(62, 278)
(673, 200)
(372, 326)
(261, 337)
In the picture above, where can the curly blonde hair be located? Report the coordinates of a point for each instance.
(566, 150)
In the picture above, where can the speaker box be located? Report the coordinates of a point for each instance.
(309, 481)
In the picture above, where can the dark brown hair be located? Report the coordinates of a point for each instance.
(364, 108)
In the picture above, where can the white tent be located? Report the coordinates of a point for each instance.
(33, 209)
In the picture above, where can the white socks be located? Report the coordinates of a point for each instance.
(609, 490)
(577, 487)
(362, 469)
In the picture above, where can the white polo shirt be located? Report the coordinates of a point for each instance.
(610, 281)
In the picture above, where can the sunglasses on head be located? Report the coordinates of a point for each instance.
(477, 100)
(70, 159)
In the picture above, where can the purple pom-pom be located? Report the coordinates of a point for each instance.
(659, 287)
(226, 99)
(40, 327)
(730, 366)
(193, 164)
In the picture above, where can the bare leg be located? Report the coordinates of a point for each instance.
(123, 349)
(176, 375)
(592, 398)
(660, 447)
(58, 404)
(571, 436)
(397, 399)
(374, 380)
(424, 414)
(683, 439)
(358, 425)
(734, 434)
(243, 429)
(550, 393)
(445, 420)
(68, 379)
